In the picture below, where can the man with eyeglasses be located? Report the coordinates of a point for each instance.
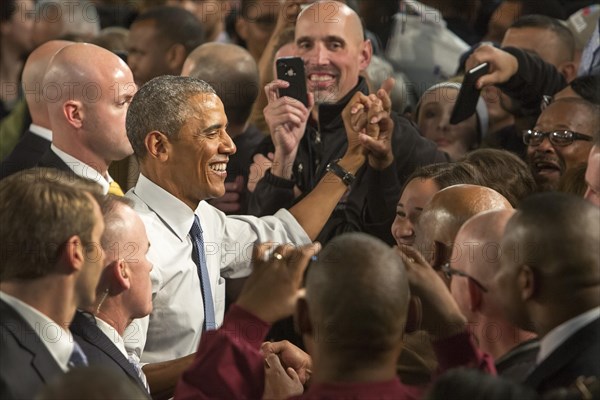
(561, 139)
(474, 261)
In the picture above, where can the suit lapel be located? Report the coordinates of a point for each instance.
(41, 359)
(564, 354)
(51, 160)
(89, 331)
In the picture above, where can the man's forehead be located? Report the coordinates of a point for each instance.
(563, 115)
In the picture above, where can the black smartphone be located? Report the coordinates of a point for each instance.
(468, 94)
(291, 69)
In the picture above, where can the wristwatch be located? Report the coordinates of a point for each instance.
(344, 175)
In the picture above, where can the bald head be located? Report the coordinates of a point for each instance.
(477, 245)
(330, 39)
(333, 12)
(79, 70)
(88, 90)
(237, 85)
(443, 216)
(358, 289)
(33, 77)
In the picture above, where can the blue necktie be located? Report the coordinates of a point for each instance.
(200, 260)
(77, 358)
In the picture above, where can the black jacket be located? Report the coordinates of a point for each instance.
(326, 141)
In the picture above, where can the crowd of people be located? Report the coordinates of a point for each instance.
(174, 227)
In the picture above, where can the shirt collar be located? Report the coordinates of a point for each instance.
(557, 336)
(172, 211)
(56, 338)
(112, 335)
(83, 170)
(41, 132)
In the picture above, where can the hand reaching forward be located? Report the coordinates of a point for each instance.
(291, 357)
(273, 288)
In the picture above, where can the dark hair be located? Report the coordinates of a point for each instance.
(504, 172)
(161, 105)
(176, 25)
(588, 87)
(7, 9)
(545, 22)
(447, 174)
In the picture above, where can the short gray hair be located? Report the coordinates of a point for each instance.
(161, 105)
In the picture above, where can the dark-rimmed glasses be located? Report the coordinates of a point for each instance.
(449, 271)
(532, 137)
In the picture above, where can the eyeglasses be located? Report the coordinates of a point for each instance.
(557, 138)
(449, 271)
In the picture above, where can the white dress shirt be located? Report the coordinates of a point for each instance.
(83, 170)
(112, 335)
(174, 328)
(557, 336)
(57, 340)
(41, 132)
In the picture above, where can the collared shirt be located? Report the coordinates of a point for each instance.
(41, 132)
(57, 340)
(174, 328)
(83, 170)
(112, 334)
(557, 336)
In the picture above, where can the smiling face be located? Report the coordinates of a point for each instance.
(434, 123)
(329, 38)
(198, 155)
(549, 162)
(414, 197)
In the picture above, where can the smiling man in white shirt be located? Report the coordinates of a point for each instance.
(51, 263)
(177, 127)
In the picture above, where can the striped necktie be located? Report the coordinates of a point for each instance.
(77, 358)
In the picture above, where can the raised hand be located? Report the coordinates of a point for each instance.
(286, 118)
(273, 288)
(503, 65)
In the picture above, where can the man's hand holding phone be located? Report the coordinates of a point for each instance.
(286, 118)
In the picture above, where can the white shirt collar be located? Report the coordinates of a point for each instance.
(41, 132)
(557, 336)
(82, 169)
(174, 213)
(112, 335)
(56, 338)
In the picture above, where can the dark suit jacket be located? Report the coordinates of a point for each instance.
(51, 160)
(99, 349)
(26, 154)
(578, 356)
(26, 365)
